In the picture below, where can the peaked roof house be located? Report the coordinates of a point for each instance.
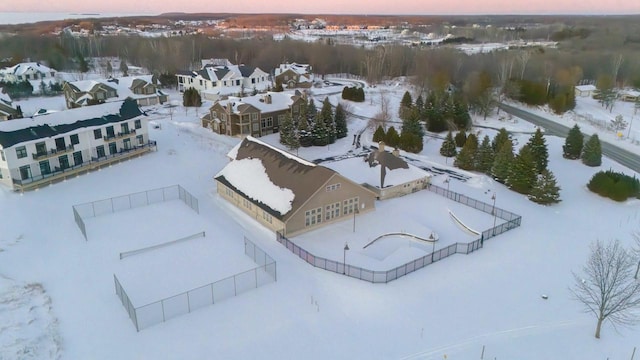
(7, 111)
(91, 92)
(294, 75)
(214, 81)
(287, 193)
(256, 115)
(28, 71)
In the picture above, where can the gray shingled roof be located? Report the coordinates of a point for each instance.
(246, 71)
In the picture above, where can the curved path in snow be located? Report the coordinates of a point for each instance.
(403, 234)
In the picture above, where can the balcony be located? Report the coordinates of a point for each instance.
(119, 135)
(60, 174)
(52, 153)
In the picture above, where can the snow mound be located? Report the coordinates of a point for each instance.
(29, 329)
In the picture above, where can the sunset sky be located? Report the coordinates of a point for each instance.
(330, 6)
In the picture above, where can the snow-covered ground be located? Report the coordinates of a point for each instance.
(57, 297)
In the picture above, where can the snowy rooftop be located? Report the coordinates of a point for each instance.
(122, 85)
(298, 68)
(358, 170)
(5, 97)
(279, 101)
(22, 68)
(586, 87)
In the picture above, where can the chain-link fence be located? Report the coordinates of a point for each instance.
(131, 201)
(513, 221)
(188, 301)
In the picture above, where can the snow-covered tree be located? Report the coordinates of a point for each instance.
(539, 150)
(501, 137)
(448, 148)
(618, 123)
(545, 190)
(484, 156)
(288, 136)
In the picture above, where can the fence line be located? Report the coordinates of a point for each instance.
(188, 301)
(158, 246)
(513, 221)
(130, 201)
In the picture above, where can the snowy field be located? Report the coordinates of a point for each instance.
(57, 298)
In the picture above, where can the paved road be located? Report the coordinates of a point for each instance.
(619, 155)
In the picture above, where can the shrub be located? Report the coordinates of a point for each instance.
(614, 185)
(353, 93)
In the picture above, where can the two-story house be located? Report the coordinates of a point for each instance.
(28, 71)
(41, 150)
(142, 89)
(294, 75)
(256, 115)
(216, 81)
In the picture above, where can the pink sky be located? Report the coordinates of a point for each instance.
(330, 6)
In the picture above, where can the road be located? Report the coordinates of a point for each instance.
(619, 155)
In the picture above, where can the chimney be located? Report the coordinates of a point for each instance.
(268, 99)
(396, 152)
(381, 146)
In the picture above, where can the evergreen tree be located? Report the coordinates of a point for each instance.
(503, 162)
(448, 148)
(406, 106)
(124, 69)
(572, 148)
(326, 116)
(340, 119)
(412, 125)
(501, 137)
(191, 97)
(592, 152)
(392, 138)
(539, 150)
(379, 135)
(419, 106)
(410, 142)
(321, 132)
(465, 159)
(109, 68)
(43, 88)
(312, 111)
(83, 66)
(545, 190)
(484, 156)
(288, 136)
(522, 175)
(461, 138)
(460, 113)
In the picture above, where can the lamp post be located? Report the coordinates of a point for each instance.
(355, 211)
(493, 211)
(433, 244)
(446, 181)
(344, 258)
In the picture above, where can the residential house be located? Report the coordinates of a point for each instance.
(216, 81)
(585, 90)
(90, 92)
(41, 150)
(629, 95)
(7, 110)
(256, 115)
(286, 193)
(385, 173)
(294, 75)
(28, 71)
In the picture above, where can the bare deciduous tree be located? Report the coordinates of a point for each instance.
(607, 287)
(523, 57)
(636, 252)
(384, 115)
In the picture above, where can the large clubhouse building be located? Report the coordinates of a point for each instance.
(41, 150)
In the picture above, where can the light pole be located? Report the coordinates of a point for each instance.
(631, 123)
(493, 211)
(433, 244)
(355, 211)
(344, 258)
(447, 182)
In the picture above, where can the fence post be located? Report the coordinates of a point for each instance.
(93, 207)
(255, 272)
(111, 205)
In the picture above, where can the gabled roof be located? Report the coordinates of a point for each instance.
(246, 71)
(288, 177)
(123, 87)
(586, 87)
(279, 101)
(22, 68)
(45, 126)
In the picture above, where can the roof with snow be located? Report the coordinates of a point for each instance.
(279, 101)
(22, 68)
(221, 72)
(123, 86)
(276, 181)
(45, 126)
(300, 69)
(586, 87)
(358, 170)
(5, 98)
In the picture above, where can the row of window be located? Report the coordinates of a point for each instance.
(333, 187)
(249, 205)
(331, 211)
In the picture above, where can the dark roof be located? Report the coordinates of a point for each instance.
(246, 71)
(184, 72)
(283, 171)
(204, 74)
(221, 72)
(128, 110)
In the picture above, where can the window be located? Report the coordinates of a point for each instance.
(97, 133)
(246, 203)
(100, 151)
(333, 187)
(77, 158)
(112, 148)
(2, 155)
(45, 167)
(60, 144)
(127, 144)
(253, 80)
(266, 122)
(21, 152)
(25, 172)
(349, 206)
(137, 124)
(124, 128)
(110, 132)
(254, 116)
(228, 192)
(41, 149)
(256, 127)
(267, 217)
(140, 139)
(312, 217)
(331, 211)
(64, 162)
(74, 139)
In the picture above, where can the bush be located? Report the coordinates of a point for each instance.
(614, 185)
(353, 93)
(461, 138)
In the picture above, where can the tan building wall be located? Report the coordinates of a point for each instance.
(249, 208)
(400, 190)
(347, 190)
